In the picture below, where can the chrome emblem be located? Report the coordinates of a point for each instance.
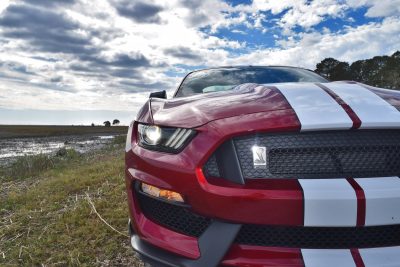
(259, 157)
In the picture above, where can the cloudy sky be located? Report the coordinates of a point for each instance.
(83, 61)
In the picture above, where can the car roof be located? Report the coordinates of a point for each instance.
(250, 66)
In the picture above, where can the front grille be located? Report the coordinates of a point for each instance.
(330, 154)
(319, 237)
(177, 218)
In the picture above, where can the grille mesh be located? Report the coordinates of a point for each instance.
(177, 218)
(319, 237)
(334, 154)
(211, 167)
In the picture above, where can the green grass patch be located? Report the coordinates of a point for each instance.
(119, 139)
(46, 219)
(33, 165)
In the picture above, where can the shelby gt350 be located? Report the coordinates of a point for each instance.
(266, 166)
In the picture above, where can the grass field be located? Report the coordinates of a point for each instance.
(14, 131)
(50, 217)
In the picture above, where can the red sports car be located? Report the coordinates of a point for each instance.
(266, 166)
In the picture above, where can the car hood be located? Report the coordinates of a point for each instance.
(197, 110)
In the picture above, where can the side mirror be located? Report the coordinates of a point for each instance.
(160, 94)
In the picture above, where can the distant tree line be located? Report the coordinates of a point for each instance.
(380, 71)
(108, 123)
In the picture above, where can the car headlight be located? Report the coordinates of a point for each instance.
(166, 139)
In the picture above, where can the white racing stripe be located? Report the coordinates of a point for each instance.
(382, 200)
(381, 257)
(327, 258)
(371, 257)
(329, 202)
(315, 108)
(373, 111)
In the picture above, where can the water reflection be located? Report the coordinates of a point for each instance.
(10, 149)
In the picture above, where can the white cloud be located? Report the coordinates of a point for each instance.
(296, 12)
(275, 7)
(3, 5)
(381, 8)
(307, 15)
(356, 43)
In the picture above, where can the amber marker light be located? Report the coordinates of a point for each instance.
(161, 193)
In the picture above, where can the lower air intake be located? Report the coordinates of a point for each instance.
(319, 237)
(177, 218)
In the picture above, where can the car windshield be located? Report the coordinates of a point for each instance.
(213, 80)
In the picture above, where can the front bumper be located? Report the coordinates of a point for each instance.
(218, 245)
(213, 245)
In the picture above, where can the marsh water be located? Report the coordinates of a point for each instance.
(11, 149)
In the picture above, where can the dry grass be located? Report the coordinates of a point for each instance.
(53, 217)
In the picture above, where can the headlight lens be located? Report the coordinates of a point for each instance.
(151, 134)
(166, 139)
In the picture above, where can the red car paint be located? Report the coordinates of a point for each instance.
(197, 110)
(252, 256)
(282, 199)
